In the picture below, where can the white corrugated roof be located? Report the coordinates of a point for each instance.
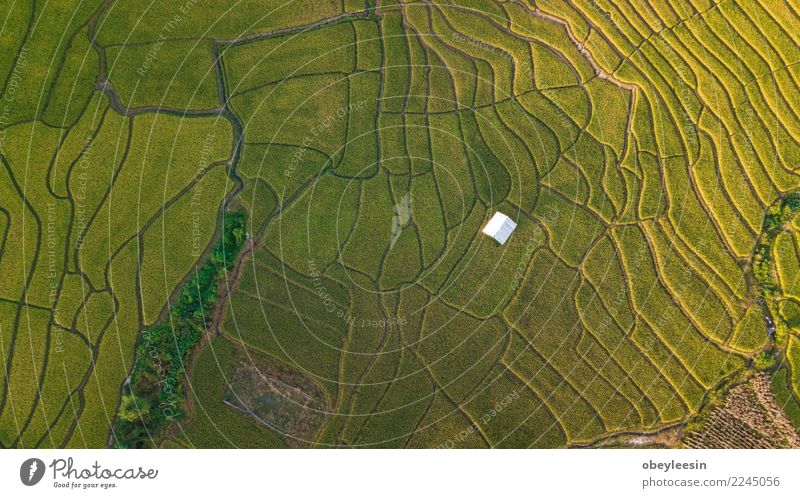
(500, 227)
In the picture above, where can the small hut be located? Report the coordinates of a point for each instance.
(500, 227)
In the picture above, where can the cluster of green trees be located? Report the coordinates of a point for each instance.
(763, 268)
(774, 222)
(153, 396)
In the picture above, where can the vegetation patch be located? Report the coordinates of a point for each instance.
(153, 396)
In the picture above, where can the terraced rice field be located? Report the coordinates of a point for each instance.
(96, 198)
(640, 149)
